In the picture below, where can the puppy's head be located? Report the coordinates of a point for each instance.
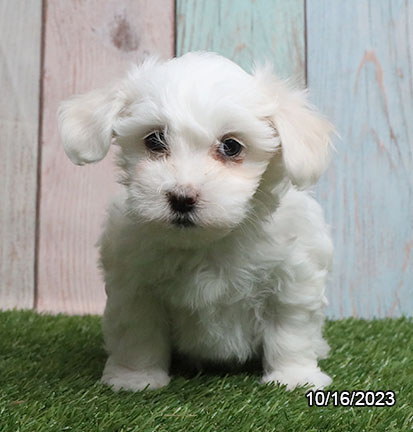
(200, 140)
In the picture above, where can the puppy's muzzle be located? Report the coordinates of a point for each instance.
(183, 205)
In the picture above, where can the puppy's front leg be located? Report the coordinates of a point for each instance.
(293, 342)
(137, 340)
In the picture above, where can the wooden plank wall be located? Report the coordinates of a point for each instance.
(356, 57)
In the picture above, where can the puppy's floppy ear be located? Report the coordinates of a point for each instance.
(86, 122)
(305, 134)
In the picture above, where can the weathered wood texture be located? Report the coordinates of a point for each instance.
(246, 31)
(20, 42)
(360, 72)
(87, 43)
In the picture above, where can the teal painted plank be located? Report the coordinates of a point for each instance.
(360, 73)
(246, 31)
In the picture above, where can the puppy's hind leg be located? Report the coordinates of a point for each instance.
(293, 338)
(137, 340)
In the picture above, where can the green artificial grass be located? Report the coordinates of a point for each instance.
(50, 367)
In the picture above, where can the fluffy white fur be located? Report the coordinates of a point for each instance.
(248, 278)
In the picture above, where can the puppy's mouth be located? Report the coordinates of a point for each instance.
(183, 221)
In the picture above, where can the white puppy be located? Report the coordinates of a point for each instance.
(214, 250)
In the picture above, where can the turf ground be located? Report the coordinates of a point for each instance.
(50, 367)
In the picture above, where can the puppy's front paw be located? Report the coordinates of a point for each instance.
(298, 376)
(122, 378)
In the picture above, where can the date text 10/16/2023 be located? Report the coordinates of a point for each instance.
(356, 398)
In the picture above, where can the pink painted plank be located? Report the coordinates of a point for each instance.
(20, 42)
(87, 43)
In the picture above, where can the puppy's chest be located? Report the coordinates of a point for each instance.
(216, 332)
(199, 281)
(214, 308)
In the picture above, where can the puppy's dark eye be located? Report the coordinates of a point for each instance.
(230, 147)
(155, 142)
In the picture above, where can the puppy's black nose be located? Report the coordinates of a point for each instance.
(181, 203)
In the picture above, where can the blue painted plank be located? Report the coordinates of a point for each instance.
(360, 73)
